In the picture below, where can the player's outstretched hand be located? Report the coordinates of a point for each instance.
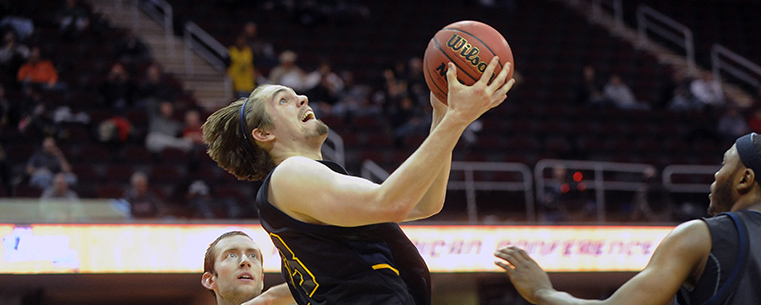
(470, 102)
(526, 275)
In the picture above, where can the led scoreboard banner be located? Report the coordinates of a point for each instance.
(179, 248)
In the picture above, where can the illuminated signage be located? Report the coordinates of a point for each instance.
(179, 248)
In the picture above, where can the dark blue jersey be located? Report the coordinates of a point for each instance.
(372, 264)
(732, 274)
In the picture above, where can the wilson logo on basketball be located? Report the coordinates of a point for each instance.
(470, 53)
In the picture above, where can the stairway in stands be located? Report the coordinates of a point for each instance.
(206, 82)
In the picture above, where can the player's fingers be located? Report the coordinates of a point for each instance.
(451, 75)
(502, 91)
(486, 76)
(499, 81)
(508, 269)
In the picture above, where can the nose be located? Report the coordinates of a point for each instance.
(245, 261)
(303, 100)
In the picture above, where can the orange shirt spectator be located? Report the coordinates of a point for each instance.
(37, 70)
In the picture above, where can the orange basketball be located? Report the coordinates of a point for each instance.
(470, 45)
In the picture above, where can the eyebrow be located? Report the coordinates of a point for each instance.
(246, 250)
(278, 91)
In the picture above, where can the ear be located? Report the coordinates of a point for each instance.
(262, 135)
(209, 281)
(747, 181)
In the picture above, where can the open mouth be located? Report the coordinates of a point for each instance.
(245, 277)
(309, 115)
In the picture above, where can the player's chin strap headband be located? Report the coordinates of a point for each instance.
(243, 131)
(748, 154)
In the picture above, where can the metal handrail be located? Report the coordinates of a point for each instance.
(718, 65)
(666, 31)
(164, 16)
(470, 186)
(615, 5)
(670, 170)
(599, 184)
(205, 46)
(334, 148)
(371, 170)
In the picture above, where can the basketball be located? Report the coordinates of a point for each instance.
(470, 45)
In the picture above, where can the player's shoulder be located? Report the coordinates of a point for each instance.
(297, 166)
(693, 234)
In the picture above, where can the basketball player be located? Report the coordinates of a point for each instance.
(337, 234)
(714, 260)
(233, 273)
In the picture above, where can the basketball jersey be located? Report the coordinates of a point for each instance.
(733, 271)
(323, 264)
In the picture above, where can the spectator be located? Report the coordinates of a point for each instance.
(288, 73)
(131, 49)
(163, 130)
(192, 129)
(46, 163)
(554, 204)
(59, 190)
(679, 83)
(707, 90)
(22, 26)
(72, 18)
(153, 86)
(12, 54)
(6, 173)
(620, 94)
(10, 111)
(354, 99)
(264, 54)
(754, 121)
(38, 71)
(589, 91)
(117, 91)
(732, 124)
(406, 120)
(682, 100)
(323, 86)
(205, 205)
(651, 201)
(143, 202)
(241, 69)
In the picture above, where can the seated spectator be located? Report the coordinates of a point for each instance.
(143, 202)
(707, 90)
(288, 73)
(241, 69)
(204, 205)
(153, 86)
(192, 129)
(754, 121)
(589, 91)
(46, 163)
(164, 130)
(620, 94)
(732, 124)
(117, 91)
(322, 87)
(407, 119)
(12, 54)
(72, 18)
(684, 101)
(354, 99)
(22, 26)
(10, 111)
(131, 49)
(59, 190)
(38, 71)
(678, 82)
(264, 53)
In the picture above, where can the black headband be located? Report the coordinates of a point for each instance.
(242, 120)
(748, 154)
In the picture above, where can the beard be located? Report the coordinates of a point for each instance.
(721, 198)
(321, 130)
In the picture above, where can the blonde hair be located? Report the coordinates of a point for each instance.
(222, 132)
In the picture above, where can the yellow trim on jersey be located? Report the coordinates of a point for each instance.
(381, 266)
(314, 279)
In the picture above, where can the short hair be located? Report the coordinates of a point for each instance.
(222, 132)
(137, 175)
(211, 255)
